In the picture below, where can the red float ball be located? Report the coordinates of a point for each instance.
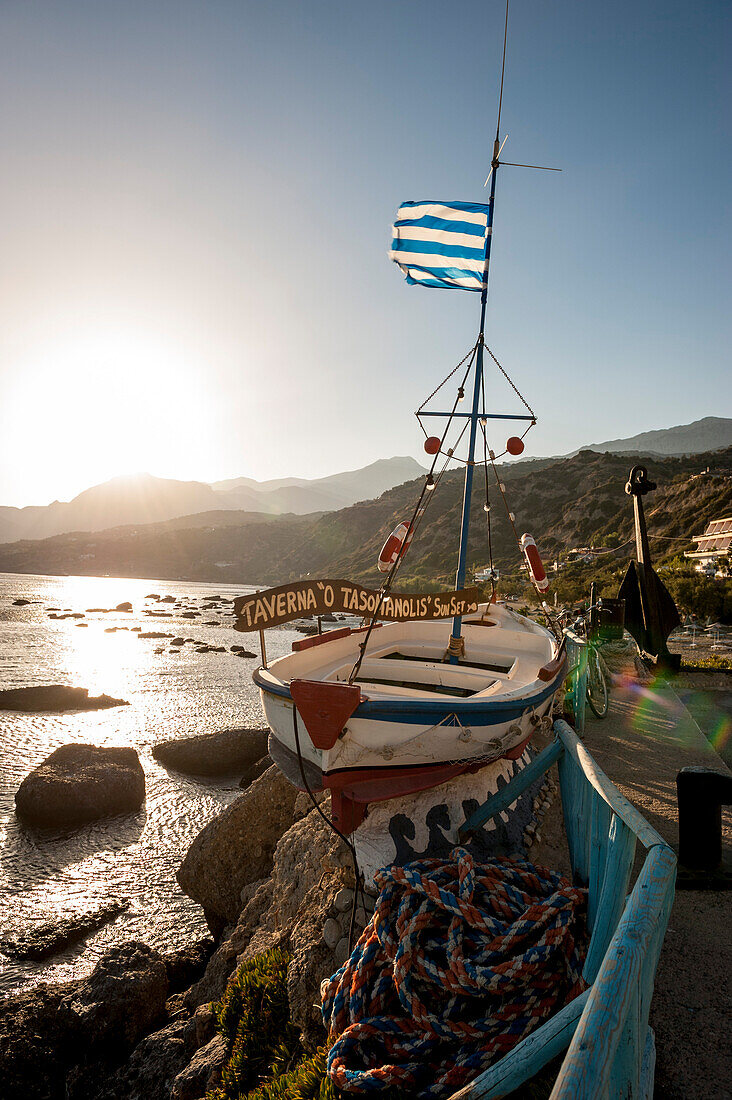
(514, 445)
(432, 445)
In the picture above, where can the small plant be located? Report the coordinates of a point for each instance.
(253, 1018)
(307, 1081)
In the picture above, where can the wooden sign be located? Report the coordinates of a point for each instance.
(312, 597)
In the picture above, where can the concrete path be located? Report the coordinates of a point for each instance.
(647, 737)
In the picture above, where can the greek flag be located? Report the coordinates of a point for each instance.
(442, 244)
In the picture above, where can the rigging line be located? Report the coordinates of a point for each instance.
(671, 538)
(421, 513)
(503, 72)
(487, 505)
(603, 553)
(358, 886)
(458, 398)
(539, 167)
(508, 513)
(386, 587)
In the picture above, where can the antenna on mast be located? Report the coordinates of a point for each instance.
(500, 94)
(496, 146)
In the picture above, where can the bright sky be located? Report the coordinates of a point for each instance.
(195, 211)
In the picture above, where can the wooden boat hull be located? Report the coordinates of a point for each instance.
(400, 742)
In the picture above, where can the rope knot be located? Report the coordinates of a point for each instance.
(455, 647)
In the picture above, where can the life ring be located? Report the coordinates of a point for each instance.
(534, 562)
(394, 547)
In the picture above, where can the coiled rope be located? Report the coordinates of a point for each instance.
(459, 963)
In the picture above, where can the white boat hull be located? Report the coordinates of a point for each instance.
(421, 719)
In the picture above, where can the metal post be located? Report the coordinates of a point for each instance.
(465, 525)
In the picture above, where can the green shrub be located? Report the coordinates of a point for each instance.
(253, 1017)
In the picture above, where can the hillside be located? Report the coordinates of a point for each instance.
(571, 502)
(144, 499)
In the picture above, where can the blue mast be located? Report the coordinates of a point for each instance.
(455, 647)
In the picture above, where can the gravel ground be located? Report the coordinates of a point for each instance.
(647, 737)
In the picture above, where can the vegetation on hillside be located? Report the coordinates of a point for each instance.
(566, 503)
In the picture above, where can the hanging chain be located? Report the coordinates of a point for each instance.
(522, 399)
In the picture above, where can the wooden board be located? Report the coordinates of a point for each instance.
(319, 597)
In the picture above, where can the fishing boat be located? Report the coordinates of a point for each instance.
(434, 685)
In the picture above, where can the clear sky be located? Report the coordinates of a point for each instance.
(195, 212)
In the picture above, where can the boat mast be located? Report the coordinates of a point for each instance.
(456, 644)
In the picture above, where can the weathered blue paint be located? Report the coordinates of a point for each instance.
(508, 794)
(470, 712)
(618, 865)
(610, 1045)
(604, 1057)
(528, 1057)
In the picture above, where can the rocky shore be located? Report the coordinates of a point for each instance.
(269, 873)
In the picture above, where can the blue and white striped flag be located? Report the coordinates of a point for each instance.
(442, 244)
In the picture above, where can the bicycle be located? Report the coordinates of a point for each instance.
(598, 675)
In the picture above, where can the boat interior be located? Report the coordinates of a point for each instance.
(503, 654)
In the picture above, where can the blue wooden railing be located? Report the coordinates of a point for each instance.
(610, 1049)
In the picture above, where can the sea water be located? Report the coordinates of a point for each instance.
(172, 692)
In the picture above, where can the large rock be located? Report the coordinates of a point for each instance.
(38, 1042)
(55, 698)
(153, 1065)
(203, 1073)
(258, 906)
(186, 966)
(123, 998)
(66, 1042)
(79, 783)
(213, 753)
(311, 867)
(236, 848)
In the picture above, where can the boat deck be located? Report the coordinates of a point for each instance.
(406, 660)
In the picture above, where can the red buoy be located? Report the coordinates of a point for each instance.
(534, 562)
(432, 445)
(514, 445)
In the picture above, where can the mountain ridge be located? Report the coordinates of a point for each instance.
(573, 501)
(711, 433)
(143, 498)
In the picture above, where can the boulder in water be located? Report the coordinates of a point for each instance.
(55, 698)
(51, 937)
(222, 753)
(79, 783)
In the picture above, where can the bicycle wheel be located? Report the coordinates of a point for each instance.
(597, 693)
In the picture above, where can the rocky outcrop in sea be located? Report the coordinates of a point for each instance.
(269, 872)
(79, 783)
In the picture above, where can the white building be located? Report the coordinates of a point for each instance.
(713, 547)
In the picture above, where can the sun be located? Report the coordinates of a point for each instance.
(99, 404)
